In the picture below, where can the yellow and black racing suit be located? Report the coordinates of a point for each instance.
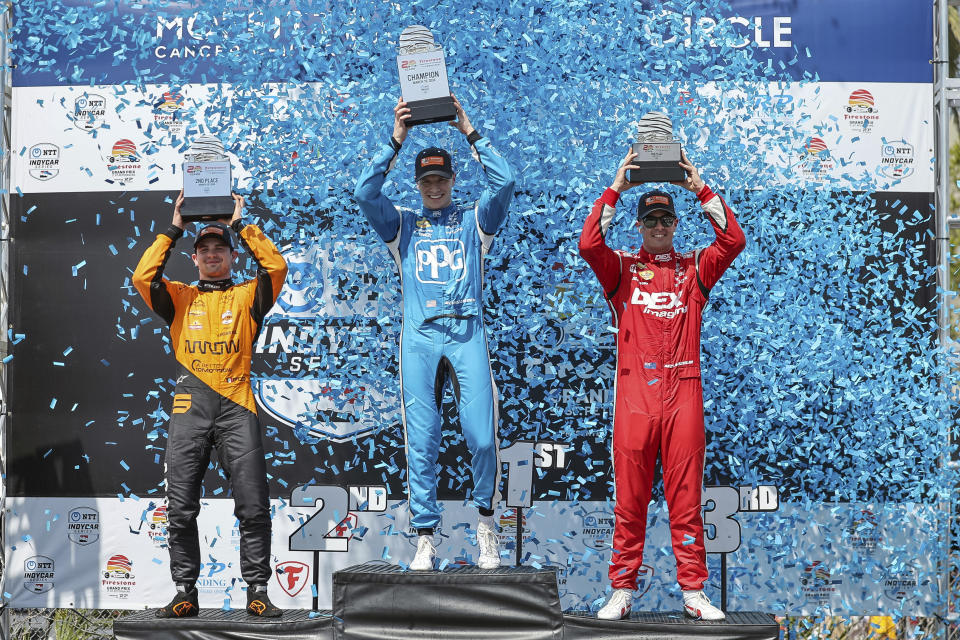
(213, 327)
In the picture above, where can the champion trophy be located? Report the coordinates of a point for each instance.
(658, 151)
(206, 181)
(423, 77)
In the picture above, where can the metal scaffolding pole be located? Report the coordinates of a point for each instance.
(6, 21)
(945, 98)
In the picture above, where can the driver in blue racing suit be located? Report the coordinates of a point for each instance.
(439, 253)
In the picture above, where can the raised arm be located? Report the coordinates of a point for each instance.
(148, 278)
(495, 199)
(713, 260)
(271, 267)
(604, 261)
(378, 208)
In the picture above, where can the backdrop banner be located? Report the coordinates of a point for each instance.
(826, 419)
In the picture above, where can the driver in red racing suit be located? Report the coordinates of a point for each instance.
(657, 296)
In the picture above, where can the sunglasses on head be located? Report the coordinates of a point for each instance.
(666, 220)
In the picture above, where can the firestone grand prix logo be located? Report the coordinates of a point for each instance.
(815, 159)
(118, 578)
(818, 583)
(860, 112)
(123, 162)
(167, 112)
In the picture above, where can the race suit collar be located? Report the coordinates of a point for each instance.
(215, 285)
(436, 213)
(656, 258)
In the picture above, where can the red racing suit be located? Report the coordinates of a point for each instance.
(657, 302)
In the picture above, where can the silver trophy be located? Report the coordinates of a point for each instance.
(658, 151)
(423, 77)
(207, 181)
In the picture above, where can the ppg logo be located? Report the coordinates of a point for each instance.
(439, 261)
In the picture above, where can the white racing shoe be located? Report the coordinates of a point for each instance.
(489, 547)
(426, 553)
(696, 605)
(618, 606)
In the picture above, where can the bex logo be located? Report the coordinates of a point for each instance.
(439, 261)
(656, 301)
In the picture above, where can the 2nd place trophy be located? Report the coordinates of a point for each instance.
(658, 151)
(423, 77)
(206, 181)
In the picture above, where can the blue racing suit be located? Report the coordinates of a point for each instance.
(439, 254)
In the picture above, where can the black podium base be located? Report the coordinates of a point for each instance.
(430, 111)
(739, 625)
(207, 209)
(388, 603)
(216, 624)
(657, 172)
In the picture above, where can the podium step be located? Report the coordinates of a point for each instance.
(388, 603)
(235, 624)
(650, 625)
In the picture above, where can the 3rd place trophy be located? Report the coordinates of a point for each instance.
(658, 151)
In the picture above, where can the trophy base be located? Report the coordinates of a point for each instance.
(656, 172)
(206, 209)
(430, 111)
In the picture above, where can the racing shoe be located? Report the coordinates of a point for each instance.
(258, 603)
(183, 605)
(618, 606)
(426, 553)
(696, 605)
(489, 547)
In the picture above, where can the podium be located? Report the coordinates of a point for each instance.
(217, 624)
(378, 601)
(739, 625)
(388, 603)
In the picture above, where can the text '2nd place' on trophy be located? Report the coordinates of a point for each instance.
(423, 77)
(206, 181)
(658, 151)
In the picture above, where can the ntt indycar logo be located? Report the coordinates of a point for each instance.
(440, 261)
(38, 574)
(83, 526)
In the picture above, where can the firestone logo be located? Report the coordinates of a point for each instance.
(123, 163)
(292, 576)
(166, 112)
(860, 112)
(815, 159)
(118, 578)
(817, 583)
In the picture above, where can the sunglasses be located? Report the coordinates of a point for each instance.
(666, 220)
